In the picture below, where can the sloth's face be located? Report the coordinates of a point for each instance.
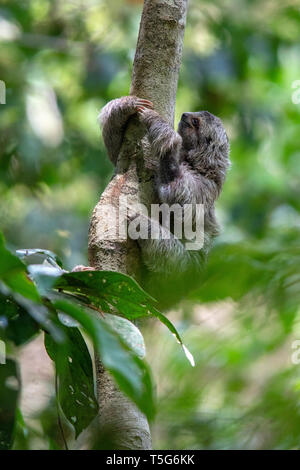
(202, 131)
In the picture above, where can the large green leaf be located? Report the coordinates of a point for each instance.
(9, 393)
(130, 372)
(13, 274)
(44, 277)
(15, 323)
(111, 291)
(42, 313)
(75, 378)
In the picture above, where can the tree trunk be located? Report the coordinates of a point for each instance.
(155, 76)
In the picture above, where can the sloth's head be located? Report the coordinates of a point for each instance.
(204, 137)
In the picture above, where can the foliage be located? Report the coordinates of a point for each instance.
(38, 297)
(61, 61)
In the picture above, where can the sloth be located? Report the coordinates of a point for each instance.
(191, 172)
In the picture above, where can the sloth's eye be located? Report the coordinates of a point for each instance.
(208, 140)
(195, 122)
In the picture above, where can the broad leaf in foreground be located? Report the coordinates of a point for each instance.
(129, 371)
(110, 291)
(15, 323)
(13, 274)
(75, 378)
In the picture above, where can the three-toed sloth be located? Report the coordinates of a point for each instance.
(191, 172)
(192, 167)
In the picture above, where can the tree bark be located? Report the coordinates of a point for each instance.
(155, 76)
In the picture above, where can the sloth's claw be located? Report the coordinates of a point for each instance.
(80, 268)
(144, 103)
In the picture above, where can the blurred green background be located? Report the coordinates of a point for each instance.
(61, 62)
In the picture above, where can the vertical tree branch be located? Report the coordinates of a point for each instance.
(155, 76)
(158, 54)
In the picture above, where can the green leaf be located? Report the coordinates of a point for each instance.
(13, 274)
(130, 372)
(44, 277)
(44, 315)
(129, 333)
(111, 291)
(75, 378)
(9, 262)
(9, 393)
(15, 323)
